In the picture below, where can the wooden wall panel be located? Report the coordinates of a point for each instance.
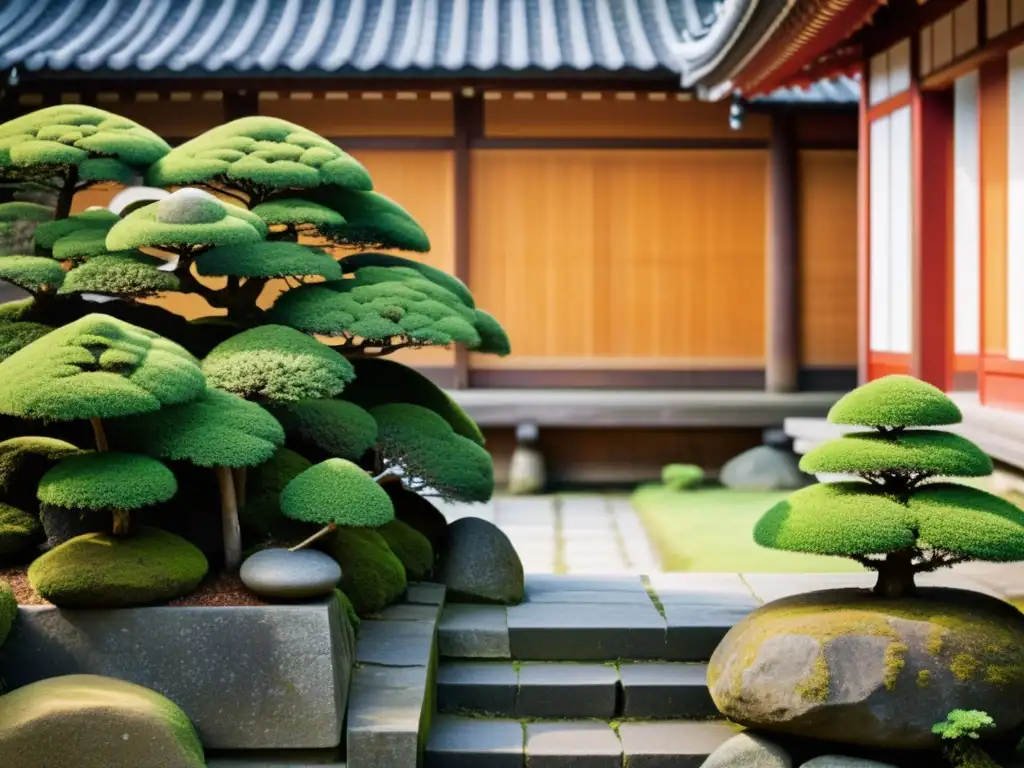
(994, 127)
(169, 118)
(828, 257)
(358, 116)
(616, 258)
(509, 117)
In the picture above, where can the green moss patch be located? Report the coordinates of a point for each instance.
(18, 531)
(102, 571)
(35, 274)
(411, 547)
(107, 481)
(896, 401)
(372, 576)
(17, 335)
(8, 610)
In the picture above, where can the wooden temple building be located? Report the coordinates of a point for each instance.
(674, 265)
(940, 228)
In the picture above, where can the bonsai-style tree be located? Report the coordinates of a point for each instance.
(220, 431)
(328, 429)
(901, 518)
(336, 493)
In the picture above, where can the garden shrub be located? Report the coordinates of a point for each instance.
(261, 518)
(19, 531)
(337, 492)
(960, 728)
(8, 610)
(411, 547)
(372, 576)
(418, 513)
(900, 518)
(681, 477)
(328, 429)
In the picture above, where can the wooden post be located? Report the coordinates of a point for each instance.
(468, 117)
(864, 233)
(782, 343)
(238, 104)
(932, 299)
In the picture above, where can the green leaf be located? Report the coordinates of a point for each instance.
(895, 401)
(107, 481)
(337, 491)
(933, 452)
(268, 259)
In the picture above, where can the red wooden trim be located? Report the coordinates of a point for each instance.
(1004, 391)
(863, 237)
(966, 363)
(992, 49)
(888, 106)
(931, 145)
(887, 363)
(1003, 365)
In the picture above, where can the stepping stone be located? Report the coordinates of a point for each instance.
(424, 593)
(457, 742)
(585, 632)
(395, 643)
(671, 745)
(473, 632)
(487, 687)
(555, 690)
(572, 745)
(665, 691)
(385, 710)
(409, 612)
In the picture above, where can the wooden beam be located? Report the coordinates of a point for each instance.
(469, 118)
(931, 301)
(240, 103)
(782, 324)
(864, 237)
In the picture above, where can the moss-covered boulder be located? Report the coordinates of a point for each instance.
(411, 547)
(8, 610)
(848, 666)
(372, 576)
(88, 721)
(101, 571)
(480, 565)
(416, 511)
(18, 531)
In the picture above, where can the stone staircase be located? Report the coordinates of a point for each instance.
(588, 671)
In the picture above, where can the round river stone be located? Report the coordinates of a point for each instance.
(280, 573)
(848, 666)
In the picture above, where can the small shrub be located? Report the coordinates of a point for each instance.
(960, 728)
(682, 477)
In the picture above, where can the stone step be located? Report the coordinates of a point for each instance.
(314, 758)
(650, 690)
(465, 742)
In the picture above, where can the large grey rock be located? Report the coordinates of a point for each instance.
(839, 761)
(248, 677)
(286, 575)
(480, 564)
(848, 667)
(745, 750)
(763, 468)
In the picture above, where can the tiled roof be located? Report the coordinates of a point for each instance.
(840, 90)
(325, 37)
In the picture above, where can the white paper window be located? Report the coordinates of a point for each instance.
(966, 217)
(1015, 203)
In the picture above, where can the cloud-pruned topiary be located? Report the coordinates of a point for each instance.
(97, 367)
(383, 307)
(353, 263)
(261, 518)
(430, 455)
(411, 547)
(18, 210)
(97, 570)
(19, 531)
(681, 477)
(80, 245)
(380, 382)
(219, 430)
(127, 274)
(371, 220)
(107, 481)
(898, 519)
(19, 334)
(186, 221)
(297, 217)
(23, 462)
(274, 363)
(371, 575)
(48, 234)
(330, 428)
(336, 493)
(256, 156)
(268, 259)
(36, 274)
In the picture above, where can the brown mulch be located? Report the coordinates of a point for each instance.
(218, 589)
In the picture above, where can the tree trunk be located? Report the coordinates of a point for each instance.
(239, 476)
(318, 535)
(67, 194)
(121, 522)
(229, 519)
(100, 434)
(896, 575)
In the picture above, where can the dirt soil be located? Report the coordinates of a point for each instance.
(217, 589)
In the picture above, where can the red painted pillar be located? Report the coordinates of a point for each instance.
(932, 147)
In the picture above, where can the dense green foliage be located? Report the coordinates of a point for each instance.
(337, 492)
(8, 610)
(268, 259)
(897, 519)
(430, 454)
(97, 367)
(960, 728)
(681, 477)
(328, 428)
(293, 215)
(18, 531)
(411, 547)
(353, 263)
(18, 210)
(23, 462)
(16, 335)
(49, 233)
(97, 570)
(371, 220)
(372, 576)
(276, 363)
(120, 274)
(107, 481)
(216, 430)
(418, 513)
(36, 274)
(261, 518)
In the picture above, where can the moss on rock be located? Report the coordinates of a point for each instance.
(348, 609)
(18, 531)
(101, 571)
(8, 610)
(372, 576)
(90, 721)
(411, 547)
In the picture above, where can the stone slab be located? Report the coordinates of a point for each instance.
(662, 690)
(539, 586)
(474, 632)
(671, 745)
(572, 745)
(386, 710)
(278, 759)
(395, 643)
(686, 588)
(213, 662)
(409, 612)
(695, 630)
(425, 593)
(470, 743)
(585, 632)
(488, 687)
(553, 690)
